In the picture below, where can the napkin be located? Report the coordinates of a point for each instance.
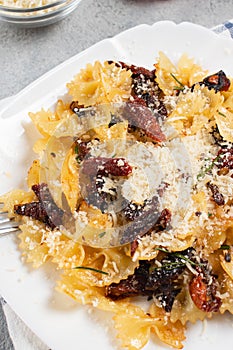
(21, 337)
(225, 29)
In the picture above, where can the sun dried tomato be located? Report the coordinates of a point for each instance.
(139, 213)
(217, 81)
(163, 220)
(142, 223)
(132, 286)
(198, 292)
(92, 181)
(45, 210)
(203, 293)
(35, 210)
(151, 280)
(142, 118)
(136, 71)
(160, 225)
(93, 194)
(139, 101)
(217, 196)
(225, 158)
(133, 247)
(145, 90)
(116, 167)
(81, 149)
(106, 166)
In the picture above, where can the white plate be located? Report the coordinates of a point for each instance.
(56, 319)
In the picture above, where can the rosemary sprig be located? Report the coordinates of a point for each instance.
(222, 114)
(225, 247)
(176, 264)
(102, 234)
(187, 260)
(89, 268)
(206, 169)
(181, 85)
(162, 250)
(179, 88)
(76, 151)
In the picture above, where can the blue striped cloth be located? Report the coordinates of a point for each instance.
(225, 29)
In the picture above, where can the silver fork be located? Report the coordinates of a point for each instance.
(7, 224)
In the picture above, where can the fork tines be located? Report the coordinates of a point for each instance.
(7, 225)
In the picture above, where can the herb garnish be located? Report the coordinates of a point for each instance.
(102, 234)
(89, 268)
(182, 257)
(162, 250)
(176, 264)
(206, 169)
(222, 114)
(181, 85)
(76, 151)
(225, 247)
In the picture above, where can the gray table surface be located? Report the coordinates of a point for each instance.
(25, 54)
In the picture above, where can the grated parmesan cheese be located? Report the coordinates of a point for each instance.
(26, 3)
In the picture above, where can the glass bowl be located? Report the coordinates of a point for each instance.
(38, 16)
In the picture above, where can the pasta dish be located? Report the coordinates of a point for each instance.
(130, 195)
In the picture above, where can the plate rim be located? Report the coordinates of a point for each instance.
(77, 56)
(5, 112)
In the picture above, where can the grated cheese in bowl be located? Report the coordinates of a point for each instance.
(26, 3)
(35, 13)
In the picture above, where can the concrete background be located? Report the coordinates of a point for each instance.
(25, 54)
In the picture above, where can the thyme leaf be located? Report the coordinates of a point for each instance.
(162, 250)
(206, 169)
(222, 114)
(181, 85)
(102, 234)
(76, 149)
(187, 259)
(89, 268)
(177, 264)
(180, 88)
(225, 247)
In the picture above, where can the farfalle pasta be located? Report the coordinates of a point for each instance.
(99, 83)
(131, 195)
